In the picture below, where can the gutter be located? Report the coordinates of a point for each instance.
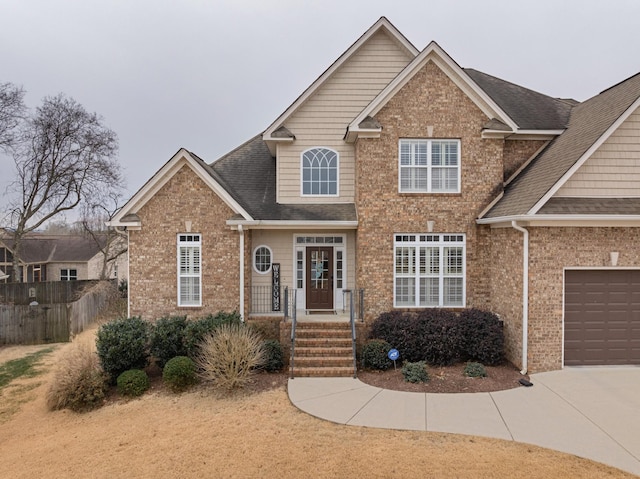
(241, 232)
(525, 293)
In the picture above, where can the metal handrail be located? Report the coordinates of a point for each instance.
(294, 322)
(352, 319)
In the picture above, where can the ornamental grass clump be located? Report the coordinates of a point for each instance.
(78, 382)
(229, 356)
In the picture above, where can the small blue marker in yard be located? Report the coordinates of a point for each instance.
(393, 354)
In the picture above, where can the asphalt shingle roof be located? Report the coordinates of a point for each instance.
(248, 173)
(588, 122)
(529, 109)
(591, 206)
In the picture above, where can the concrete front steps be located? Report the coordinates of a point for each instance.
(323, 349)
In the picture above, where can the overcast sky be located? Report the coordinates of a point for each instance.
(207, 75)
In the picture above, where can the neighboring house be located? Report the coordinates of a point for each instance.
(426, 185)
(62, 257)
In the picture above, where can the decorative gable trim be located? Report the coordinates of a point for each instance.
(433, 52)
(382, 24)
(587, 154)
(127, 216)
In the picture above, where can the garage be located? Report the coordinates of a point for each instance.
(601, 317)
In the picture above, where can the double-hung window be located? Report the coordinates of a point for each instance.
(189, 270)
(68, 275)
(320, 172)
(429, 270)
(429, 166)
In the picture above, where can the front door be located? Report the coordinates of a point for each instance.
(319, 277)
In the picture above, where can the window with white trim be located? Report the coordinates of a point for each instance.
(320, 172)
(189, 270)
(429, 166)
(68, 275)
(429, 270)
(262, 259)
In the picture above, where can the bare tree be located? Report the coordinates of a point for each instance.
(112, 242)
(63, 156)
(12, 111)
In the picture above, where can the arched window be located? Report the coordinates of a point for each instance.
(320, 172)
(262, 259)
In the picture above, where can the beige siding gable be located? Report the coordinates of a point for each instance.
(614, 168)
(322, 120)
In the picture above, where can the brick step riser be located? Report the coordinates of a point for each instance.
(324, 352)
(323, 362)
(329, 325)
(321, 333)
(322, 343)
(323, 372)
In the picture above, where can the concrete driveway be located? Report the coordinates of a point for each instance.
(589, 412)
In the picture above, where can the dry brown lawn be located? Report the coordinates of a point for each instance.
(198, 434)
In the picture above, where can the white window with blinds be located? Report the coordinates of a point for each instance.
(189, 270)
(429, 270)
(429, 166)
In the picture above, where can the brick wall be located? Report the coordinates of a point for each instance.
(552, 250)
(153, 250)
(430, 98)
(517, 152)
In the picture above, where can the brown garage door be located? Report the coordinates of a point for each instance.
(602, 317)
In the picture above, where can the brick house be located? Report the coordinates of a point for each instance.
(423, 184)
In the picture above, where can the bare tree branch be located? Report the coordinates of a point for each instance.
(12, 111)
(64, 156)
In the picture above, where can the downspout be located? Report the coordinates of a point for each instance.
(241, 231)
(128, 273)
(525, 294)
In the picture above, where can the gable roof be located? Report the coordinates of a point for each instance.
(274, 132)
(529, 109)
(46, 248)
(590, 124)
(249, 175)
(127, 216)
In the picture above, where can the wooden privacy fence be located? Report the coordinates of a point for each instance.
(50, 292)
(50, 323)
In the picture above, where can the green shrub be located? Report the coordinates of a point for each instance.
(133, 383)
(179, 373)
(274, 358)
(475, 370)
(123, 344)
(195, 331)
(78, 382)
(437, 337)
(415, 372)
(167, 339)
(229, 355)
(482, 336)
(375, 355)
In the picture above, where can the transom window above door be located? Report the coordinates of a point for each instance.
(320, 172)
(429, 166)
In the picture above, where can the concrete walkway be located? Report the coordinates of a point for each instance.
(590, 412)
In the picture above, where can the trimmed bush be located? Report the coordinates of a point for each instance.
(475, 370)
(123, 344)
(396, 328)
(229, 355)
(482, 336)
(133, 383)
(375, 355)
(274, 358)
(78, 382)
(195, 331)
(415, 372)
(437, 337)
(179, 373)
(167, 339)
